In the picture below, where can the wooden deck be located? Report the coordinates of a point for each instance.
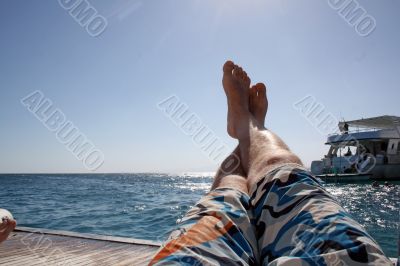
(29, 246)
(34, 247)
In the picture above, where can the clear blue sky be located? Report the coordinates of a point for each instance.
(109, 86)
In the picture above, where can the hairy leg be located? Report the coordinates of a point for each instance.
(262, 151)
(218, 228)
(231, 174)
(296, 221)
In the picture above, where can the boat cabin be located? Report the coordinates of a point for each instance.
(366, 146)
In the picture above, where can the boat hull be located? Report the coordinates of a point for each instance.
(383, 172)
(386, 172)
(345, 178)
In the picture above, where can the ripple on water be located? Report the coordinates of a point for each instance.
(148, 205)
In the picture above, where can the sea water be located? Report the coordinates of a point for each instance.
(147, 206)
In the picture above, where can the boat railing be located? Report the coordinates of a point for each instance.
(358, 130)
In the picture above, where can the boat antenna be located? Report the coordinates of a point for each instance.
(341, 117)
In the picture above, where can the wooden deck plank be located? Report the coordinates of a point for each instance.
(28, 246)
(11, 251)
(37, 249)
(98, 256)
(110, 249)
(130, 258)
(72, 258)
(21, 258)
(135, 260)
(77, 255)
(111, 259)
(89, 236)
(14, 245)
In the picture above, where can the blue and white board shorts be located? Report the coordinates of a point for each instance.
(288, 218)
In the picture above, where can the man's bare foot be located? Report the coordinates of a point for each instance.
(258, 103)
(236, 84)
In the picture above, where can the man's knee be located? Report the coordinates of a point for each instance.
(283, 157)
(232, 181)
(279, 158)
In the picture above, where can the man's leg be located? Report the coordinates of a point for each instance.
(260, 149)
(231, 174)
(218, 229)
(297, 221)
(258, 106)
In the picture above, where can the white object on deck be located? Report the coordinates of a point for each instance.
(5, 214)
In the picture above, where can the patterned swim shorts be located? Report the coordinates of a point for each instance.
(288, 219)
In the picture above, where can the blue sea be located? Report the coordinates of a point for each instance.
(147, 206)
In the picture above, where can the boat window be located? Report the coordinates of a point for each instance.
(384, 146)
(349, 151)
(393, 147)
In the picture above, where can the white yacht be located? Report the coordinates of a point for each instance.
(362, 149)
